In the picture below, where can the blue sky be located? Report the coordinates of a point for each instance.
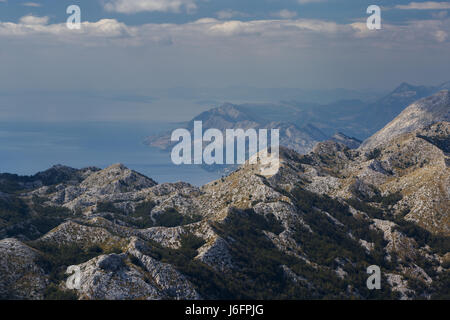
(139, 48)
(245, 10)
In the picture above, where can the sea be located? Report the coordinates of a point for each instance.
(30, 147)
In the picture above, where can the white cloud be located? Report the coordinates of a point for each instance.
(196, 31)
(32, 4)
(230, 28)
(275, 30)
(440, 35)
(428, 5)
(257, 35)
(134, 6)
(318, 26)
(228, 14)
(102, 32)
(415, 34)
(33, 20)
(439, 15)
(285, 14)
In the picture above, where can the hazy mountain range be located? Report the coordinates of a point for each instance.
(302, 125)
(309, 231)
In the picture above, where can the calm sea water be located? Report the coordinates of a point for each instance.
(27, 148)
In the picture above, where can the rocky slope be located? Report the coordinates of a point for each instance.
(350, 142)
(22, 277)
(417, 116)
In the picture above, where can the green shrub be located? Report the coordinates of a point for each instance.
(391, 199)
(172, 218)
(373, 154)
(108, 207)
(19, 220)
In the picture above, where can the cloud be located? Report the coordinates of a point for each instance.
(196, 32)
(439, 15)
(428, 5)
(230, 28)
(413, 34)
(256, 35)
(273, 30)
(31, 4)
(309, 1)
(100, 33)
(228, 14)
(285, 14)
(135, 6)
(33, 20)
(440, 35)
(318, 26)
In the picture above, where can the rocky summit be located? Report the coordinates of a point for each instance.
(308, 232)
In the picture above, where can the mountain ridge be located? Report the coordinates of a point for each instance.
(229, 116)
(352, 117)
(308, 231)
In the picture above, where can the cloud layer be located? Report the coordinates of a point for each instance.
(285, 32)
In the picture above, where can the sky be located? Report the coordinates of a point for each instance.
(130, 55)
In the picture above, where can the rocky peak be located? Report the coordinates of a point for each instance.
(406, 90)
(227, 113)
(117, 178)
(328, 147)
(114, 183)
(350, 142)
